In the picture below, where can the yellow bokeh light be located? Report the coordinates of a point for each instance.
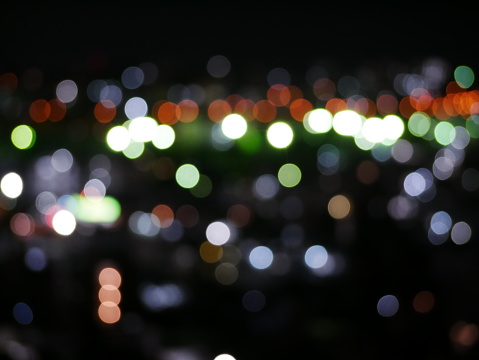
(210, 253)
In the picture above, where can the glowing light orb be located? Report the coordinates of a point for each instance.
(187, 176)
(289, 175)
(461, 233)
(218, 233)
(234, 126)
(464, 76)
(347, 122)
(118, 138)
(64, 223)
(316, 256)
(373, 130)
(11, 185)
(261, 257)
(387, 306)
(318, 121)
(109, 312)
(23, 137)
(419, 124)
(393, 128)
(134, 150)
(280, 135)
(339, 207)
(441, 222)
(136, 107)
(224, 357)
(142, 129)
(164, 137)
(444, 132)
(67, 91)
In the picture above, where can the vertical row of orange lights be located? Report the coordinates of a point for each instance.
(109, 295)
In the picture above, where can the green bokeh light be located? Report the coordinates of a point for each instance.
(444, 132)
(472, 126)
(419, 124)
(134, 150)
(187, 176)
(464, 76)
(203, 187)
(106, 211)
(289, 175)
(23, 137)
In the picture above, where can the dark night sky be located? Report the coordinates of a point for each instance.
(181, 36)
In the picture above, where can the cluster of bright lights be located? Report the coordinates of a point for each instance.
(389, 128)
(130, 138)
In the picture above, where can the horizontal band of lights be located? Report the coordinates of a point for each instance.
(208, 153)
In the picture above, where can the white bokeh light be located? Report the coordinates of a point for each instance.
(347, 122)
(63, 222)
(11, 185)
(280, 135)
(164, 137)
(316, 256)
(118, 138)
(218, 233)
(136, 107)
(224, 357)
(234, 126)
(261, 257)
(67, 91)
(142, 129)
(318, 121)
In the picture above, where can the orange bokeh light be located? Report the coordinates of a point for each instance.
(40, 110)
(58, 109)
(164, 214)
(245, 108)
(299, 108)
(104, 111)
(335, 105)
(167, 113)
(109, 312)
(218, 109)
(405, 107)
(264, 111)
(278, 95)
(109, 276)
(187, 111)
